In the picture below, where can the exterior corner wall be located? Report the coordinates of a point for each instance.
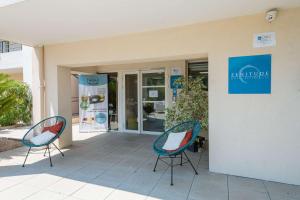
(249, 135)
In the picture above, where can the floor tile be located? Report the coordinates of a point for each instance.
(18, 192)
(44, 194)
(125, 195)
(66, 186)
(91, 191)
(283, 191)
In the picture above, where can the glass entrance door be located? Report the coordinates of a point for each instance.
(144, 101)
(153, 101)
(131, 102)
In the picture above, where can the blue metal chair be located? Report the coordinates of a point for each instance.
(38, 129)
(160, 141)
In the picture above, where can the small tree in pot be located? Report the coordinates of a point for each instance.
(191, 103)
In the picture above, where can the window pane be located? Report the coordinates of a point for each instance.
(154, 116)
(131, 98)
(154, 94)
(198, 69)
(153, 79)
(5, 46)
(15, 46)
(113, 101)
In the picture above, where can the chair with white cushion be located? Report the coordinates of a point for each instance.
(44, 134)
(173, 143)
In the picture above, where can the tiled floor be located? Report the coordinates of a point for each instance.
(119, 166)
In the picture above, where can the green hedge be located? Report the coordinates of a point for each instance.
(15, 102)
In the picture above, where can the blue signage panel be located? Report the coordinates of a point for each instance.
(249, 74)
(173, 83)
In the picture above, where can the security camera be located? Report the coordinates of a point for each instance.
(271, 15)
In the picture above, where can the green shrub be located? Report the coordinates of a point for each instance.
(191, 103)
(15, 102)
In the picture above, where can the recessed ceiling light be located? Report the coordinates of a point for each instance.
(4, 3)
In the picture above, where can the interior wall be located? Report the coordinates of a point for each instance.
(250, 135)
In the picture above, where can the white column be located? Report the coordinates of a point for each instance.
(27, 60)
(64, 103)
(33, 75)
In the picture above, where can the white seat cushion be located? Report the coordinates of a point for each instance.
(42, 138)
(173, 141)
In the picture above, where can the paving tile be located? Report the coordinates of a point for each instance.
(283, 191)
(42, 180)
(71, 198)
(44, 194)
(180, 189)
(18, 192)
(91, 191)
(119, 166)
(86, 173)
(125, 195)
(66, 186)
(141, 182)
(246, 188)
(236, 183)
(4, 184)
(209, 186)
(247, 195)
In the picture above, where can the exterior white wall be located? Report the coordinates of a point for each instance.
(75, 95)
(18, 62)
(249, 135)
(27, 66)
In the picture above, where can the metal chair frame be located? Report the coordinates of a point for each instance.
(163, 154)
(47, 145)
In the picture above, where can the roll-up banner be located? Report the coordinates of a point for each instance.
(93, 103)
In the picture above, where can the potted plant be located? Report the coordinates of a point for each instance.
(191, 103)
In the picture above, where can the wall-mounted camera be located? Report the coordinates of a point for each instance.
(271, 15)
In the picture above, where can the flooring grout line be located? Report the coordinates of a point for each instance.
(267, 190)
(69, 195)
(157, 182)
(197, 167)
(133, 172)
(103, 173)
(228, 195)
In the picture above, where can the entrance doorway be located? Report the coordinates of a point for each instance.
(144, 99)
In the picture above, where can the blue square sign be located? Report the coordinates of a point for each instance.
(250, 74)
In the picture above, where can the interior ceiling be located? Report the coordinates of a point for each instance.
(37, 22)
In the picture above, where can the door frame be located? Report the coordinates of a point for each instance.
(141, 100)
(124, 102)
(139, 74)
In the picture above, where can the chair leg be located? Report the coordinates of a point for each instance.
(49, 156)
(45, 151)
(62, 154)
(26, 157)
(191, 163)
(156, 163)
(181, 159)
(171, 170)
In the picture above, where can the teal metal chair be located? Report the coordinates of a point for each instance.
(178, 153)
(38, 129)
